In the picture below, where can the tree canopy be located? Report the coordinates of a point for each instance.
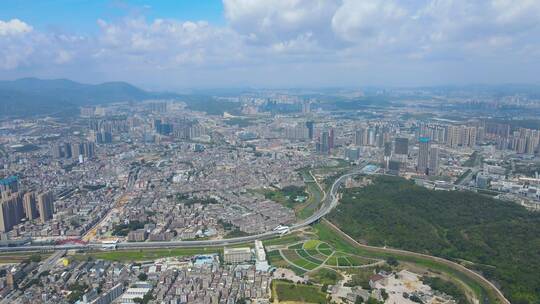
(500, 239)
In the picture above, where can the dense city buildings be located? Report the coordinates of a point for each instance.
(159, 171)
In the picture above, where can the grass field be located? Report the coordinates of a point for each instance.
(287, 239)
(325, 276)
(343, 261)
(143, 255)
(315, 253)
(299, 261)
(332, 261)
(286, 291)
(325, 249)
(15, 257)
(275, 259)
(296, 246)
(297, 271)
(308, 257)
(312, 244)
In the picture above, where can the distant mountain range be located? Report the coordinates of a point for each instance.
(31, 96)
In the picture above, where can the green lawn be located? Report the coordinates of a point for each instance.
(326, 252)
(293, 257)
(297, 271)
(308, 257)
(299, 261)
(358, 261)
(343, 261)
(296, 246)
(315, 253)
(325, 276)
(287, 239)
(332, 261)
(286, 291)
(275, 259)
(312, 244)
(150, 254)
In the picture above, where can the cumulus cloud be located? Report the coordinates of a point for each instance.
(358, 21)
(14, 27)
(282, 21)
(14, 49)
(315, 37)
(167, 42)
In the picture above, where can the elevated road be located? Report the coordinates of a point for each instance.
(329, 201)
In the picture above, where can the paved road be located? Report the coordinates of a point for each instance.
(330, 200)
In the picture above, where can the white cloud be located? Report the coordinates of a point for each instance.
(14, 48)
(331, 39)
(25, 48)
(167, 42)
(279, 21)
(14, 27)
(361, 20)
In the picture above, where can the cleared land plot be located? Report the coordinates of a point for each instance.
(286, 291)
(15, 257)
(325, 276)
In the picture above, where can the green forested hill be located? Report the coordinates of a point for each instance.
(500, 239)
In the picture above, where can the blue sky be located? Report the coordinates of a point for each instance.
(81, 15)
(178, 44)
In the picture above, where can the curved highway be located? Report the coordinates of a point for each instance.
(329, 201)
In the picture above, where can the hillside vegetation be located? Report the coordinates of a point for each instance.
(499, 239)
